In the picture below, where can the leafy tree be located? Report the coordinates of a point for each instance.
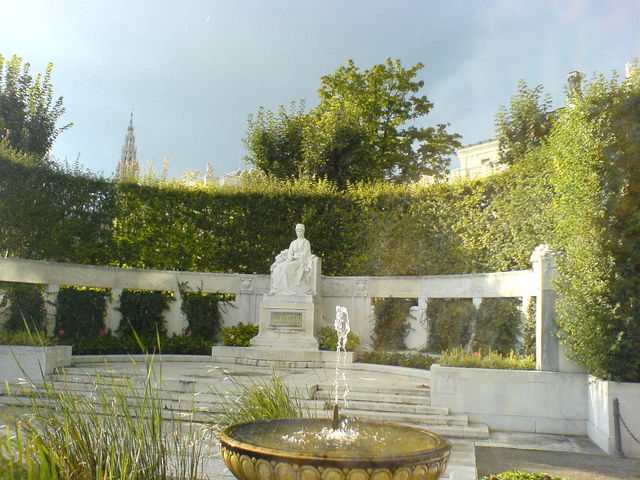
(275, 140)
(595, 146)
(524, 124)
(363, 129)
(28, 111)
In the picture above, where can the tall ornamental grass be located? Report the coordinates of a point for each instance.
(119, 431)
(260, 400)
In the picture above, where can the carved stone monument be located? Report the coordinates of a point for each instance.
(289, 312)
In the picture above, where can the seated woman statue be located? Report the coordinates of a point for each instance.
(291, 271)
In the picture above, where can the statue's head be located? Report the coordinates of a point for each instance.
(300, 227)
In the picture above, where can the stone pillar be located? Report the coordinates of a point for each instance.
(50, 307)
(176, 320)
(417, 336)
(543, 261)
(476, 303)
(113, 316)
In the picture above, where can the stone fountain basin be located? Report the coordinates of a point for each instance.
(289, 449)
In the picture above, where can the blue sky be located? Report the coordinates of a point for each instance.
(194, 70)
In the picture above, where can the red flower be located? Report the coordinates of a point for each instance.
(60, 332)
(56, 339)
(476, 354)
(188, 334)
(102, 333)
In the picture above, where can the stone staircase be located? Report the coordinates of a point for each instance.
(408, 405)
(200, 400)
(187, 393)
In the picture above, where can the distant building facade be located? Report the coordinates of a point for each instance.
(478, 160)
(128, 169)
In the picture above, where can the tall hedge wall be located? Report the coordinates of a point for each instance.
(46, 213)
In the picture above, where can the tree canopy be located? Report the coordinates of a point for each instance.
(524, 124)
(28, 110)
(365, 128)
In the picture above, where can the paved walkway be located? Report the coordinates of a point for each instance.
(576, 458)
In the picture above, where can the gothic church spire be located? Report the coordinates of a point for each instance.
(128, 169)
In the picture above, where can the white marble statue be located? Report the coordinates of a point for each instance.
(291, 271)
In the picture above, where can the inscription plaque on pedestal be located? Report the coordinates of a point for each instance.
(286, 319)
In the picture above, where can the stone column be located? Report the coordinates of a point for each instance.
(476, 303)
(363, 310)
(113, 316)
(176, 320)
(417, 336)
(50, 307)
(543, 261)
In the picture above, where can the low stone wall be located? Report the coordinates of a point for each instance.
(31, 364)
(514, 400)
(600, 421)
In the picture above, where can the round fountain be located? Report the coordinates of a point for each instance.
(333, 449)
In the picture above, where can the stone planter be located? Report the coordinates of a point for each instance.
(600, 422)
(31, 363)
(514, 400)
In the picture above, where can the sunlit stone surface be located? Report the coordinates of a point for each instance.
(307, 449)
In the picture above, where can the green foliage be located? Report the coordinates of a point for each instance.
(498, 325)
(106, 344)
(410, 359)
(104, 435)
(261, 399)
(81, 311)
(25, 337)
(595, 147)
(449, 322)
(529, 329)
(328, 339)
(28, 111)
(142, 312)
(239, 335)
(362, 130)
(391, 326)
(203, 311)
(519, 475)
(458, 357)
(524, 125)
(54, 213)
(27, 306)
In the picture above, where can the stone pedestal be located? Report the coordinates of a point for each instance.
(288, 322)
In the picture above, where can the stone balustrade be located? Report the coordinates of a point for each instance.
(354, 293)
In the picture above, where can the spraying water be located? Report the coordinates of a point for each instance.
(342, 327)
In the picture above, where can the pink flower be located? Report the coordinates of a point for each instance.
(56, 339)
(102, 333)
(61, 332)
(188, 334)
(476, 354)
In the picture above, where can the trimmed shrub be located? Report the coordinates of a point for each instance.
(458, 357)
(498, 326)
(81, 311)
(203, 311)
(450, 322)
(328, 339)
(27, 306)
(411, 359)
(391, 326)
(142, 312)
(239, 335)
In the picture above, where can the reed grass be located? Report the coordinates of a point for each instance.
(120, 431)
(261, 399)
